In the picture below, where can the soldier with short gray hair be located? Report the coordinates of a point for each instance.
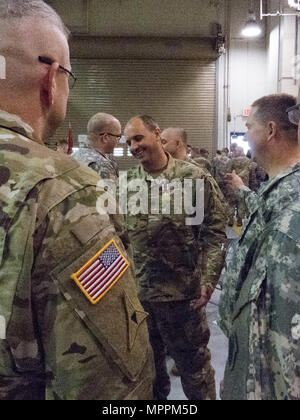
(103, 135)
(71, 325)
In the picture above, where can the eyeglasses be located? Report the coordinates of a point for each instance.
(117, 136)
(71, 77)
(294, 114)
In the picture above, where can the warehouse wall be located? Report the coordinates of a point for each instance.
(186, 30)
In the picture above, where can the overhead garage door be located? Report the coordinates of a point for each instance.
(174, 92)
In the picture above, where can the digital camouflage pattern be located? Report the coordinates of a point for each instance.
(54, 343)
(104, 165)
(172, 259)
(260, 303)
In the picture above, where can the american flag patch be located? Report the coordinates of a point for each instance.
(101, 272)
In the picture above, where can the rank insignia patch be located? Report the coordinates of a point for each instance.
(101, 272)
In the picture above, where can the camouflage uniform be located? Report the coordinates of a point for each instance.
(241, 165)
(172, 262)
(54, 343)
(104, 165)
(203, 163)
(219, 171)
(260, 304)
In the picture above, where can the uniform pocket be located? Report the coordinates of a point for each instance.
(251, 289)
(117, 321)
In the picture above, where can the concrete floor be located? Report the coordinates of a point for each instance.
(218, 344)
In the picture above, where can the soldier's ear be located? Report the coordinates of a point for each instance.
(49, 86)
(157, 133)
(272, 129)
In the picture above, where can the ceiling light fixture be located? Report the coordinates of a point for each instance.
(251, 29)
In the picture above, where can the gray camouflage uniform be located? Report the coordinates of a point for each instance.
(260, 304)
(104, 165)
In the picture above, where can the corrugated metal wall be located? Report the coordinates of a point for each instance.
(175, 93)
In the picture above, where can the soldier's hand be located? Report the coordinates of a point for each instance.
(206, 293)
(234, 181)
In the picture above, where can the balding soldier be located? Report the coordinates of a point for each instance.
(174, 141)
(177, 264)
(71, 325)
(104, 133)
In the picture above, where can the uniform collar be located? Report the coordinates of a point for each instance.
(166, 173)
(14, 123)
(283, 174)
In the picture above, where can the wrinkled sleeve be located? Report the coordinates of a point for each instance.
(247, 199)
(212, 234)
(283, 306)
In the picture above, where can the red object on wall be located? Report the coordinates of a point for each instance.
(70, 140)
(246, 112)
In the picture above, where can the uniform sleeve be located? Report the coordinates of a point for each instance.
(247, 200)
(283, 309)
(212, 235)
(101, 168)
(21, 361)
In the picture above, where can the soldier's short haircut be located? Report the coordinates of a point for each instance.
(182, 134)
(148, 122)
(273, 108)
(99, 122)
(17, 9)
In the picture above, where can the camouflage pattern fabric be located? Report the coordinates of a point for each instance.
(185, 333)
(203, 163)
(104, 165)
(241, 165)
(259, 308)
(54, 343)
(219, 171)
(172, 261)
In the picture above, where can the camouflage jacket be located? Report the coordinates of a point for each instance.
(172, 259)
(241, 165)
(104, 165)
(219, 169)
(260, 303)
(203, 163)
(54, 343)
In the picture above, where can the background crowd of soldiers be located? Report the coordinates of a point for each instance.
(225, 162)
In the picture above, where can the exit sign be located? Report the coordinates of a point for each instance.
(246, 112)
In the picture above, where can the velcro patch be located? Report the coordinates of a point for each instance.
(2, 328)
(98, 275)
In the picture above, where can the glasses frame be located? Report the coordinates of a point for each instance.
(49, 61)
(118, 136)
(293, 108)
